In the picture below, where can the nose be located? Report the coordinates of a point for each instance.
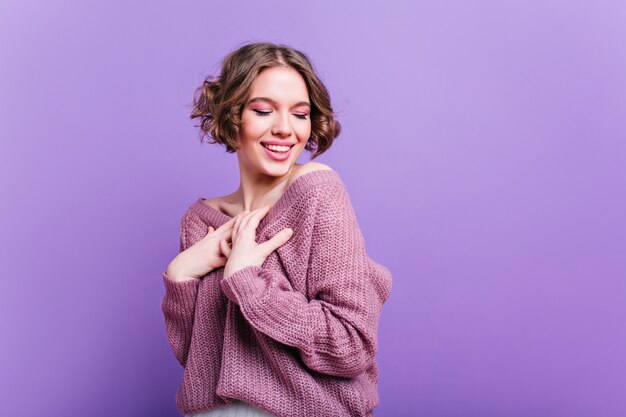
(282, 126)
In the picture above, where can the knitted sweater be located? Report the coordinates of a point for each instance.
(296, 337)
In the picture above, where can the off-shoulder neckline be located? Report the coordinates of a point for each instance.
(298, 185)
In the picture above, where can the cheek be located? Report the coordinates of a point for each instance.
(304, 131)
(254, 125)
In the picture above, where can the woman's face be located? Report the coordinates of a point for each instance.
(277, 110)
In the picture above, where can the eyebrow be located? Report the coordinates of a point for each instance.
(300, 103)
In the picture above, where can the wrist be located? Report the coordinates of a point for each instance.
(233, 269)
(177, 276)
(230, 269)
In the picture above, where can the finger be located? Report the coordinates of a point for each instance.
(276, 241)
(228, 237)
(239, 217)
(224, 247)
(258, 214)
(209, 231)
(236, 226)
(246, 220)
(222, 232)
(228, 225)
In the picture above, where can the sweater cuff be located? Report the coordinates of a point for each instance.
(180, 292)
(245, 284)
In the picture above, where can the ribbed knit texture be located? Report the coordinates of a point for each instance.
(296, 337)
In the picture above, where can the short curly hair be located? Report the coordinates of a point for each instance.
(219, 101)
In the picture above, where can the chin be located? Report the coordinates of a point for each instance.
(279, 171)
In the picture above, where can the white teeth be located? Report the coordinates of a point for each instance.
(277, 147)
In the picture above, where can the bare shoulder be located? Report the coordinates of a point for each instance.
(310, 167)
(221, 204)
(214, 202)
(226, 205)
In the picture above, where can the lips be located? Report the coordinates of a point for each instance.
(278, 156)
(274, 142)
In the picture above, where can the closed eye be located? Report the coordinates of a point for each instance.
(266, 113)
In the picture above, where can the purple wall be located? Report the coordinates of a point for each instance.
(483, 146)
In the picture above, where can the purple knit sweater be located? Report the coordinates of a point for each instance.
(296, 337)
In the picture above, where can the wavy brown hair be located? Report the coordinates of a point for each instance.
(219, 101)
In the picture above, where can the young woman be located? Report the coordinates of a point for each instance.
(272, 305)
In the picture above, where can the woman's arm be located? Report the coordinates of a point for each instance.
(336, 331)
(179, 301)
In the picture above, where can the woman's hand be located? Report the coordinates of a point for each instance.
(203, 256)
(245, 251)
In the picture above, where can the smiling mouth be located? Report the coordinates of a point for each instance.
(278, 149)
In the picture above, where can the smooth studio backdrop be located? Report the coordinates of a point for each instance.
(483, 147)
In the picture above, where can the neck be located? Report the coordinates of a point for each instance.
(258, 189)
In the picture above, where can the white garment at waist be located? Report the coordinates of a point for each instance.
(236, 409)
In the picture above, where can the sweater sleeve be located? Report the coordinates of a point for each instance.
(334, 329)
(179, 302)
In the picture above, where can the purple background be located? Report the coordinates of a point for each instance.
(483, 147)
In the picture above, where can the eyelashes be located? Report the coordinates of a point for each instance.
(267, 113)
